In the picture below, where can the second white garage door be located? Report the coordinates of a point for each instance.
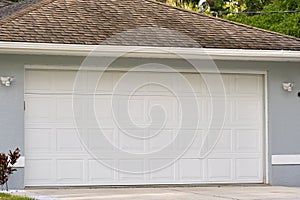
(61, 152)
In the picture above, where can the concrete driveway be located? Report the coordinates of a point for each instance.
(168, 193)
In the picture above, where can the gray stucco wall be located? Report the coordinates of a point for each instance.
(11, 114)
(283, 107)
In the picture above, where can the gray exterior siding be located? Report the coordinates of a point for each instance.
(283, 107)
(286, 175)
(12, 114)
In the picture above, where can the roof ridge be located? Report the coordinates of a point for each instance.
(24, 11)
(225, 20)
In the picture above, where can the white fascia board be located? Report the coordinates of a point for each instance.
(285, 159)
(24, 48)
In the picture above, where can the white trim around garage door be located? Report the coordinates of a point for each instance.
(266, 129)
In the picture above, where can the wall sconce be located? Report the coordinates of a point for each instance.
(288, 86)
(6, 80)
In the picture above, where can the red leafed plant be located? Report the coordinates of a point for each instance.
(7, 165)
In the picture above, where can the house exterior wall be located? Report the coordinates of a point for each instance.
(283, 107)
(283, 116)
(11, 114)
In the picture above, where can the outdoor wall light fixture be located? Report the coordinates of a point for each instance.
(6, 80)
(287, 86)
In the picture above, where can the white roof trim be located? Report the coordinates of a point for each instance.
(147, 52)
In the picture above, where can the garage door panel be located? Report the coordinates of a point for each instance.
(247, 111)
(69, 143)
(101, 109)
(70, 171)
(130, 110)
(220, 141)
(220, 169)
(64, 108)
(131, 141)
(130, 82)
(101, 140)
(63, 81)
(191, 170)
(216, 113)
(248, 84)
(190, 140)
(163, 109)
(99, 82)
(98, 172)
(33, 173)
(246, 169)
(196, 84)
(129, 166)
(160, 140)
(165, 174)
(38, 140)
(68, 140)
(41, 108)
(38, 81)
(248, 140)
(163, 84)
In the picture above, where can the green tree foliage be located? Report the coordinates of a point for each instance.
(255, 5)
(185, 4)
(285, 23)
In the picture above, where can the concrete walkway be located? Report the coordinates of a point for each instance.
(168, 193)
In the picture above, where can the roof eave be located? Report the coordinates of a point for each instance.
(25, 48)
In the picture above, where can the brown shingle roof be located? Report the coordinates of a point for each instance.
(134, 23)
(4, 3)
(8, 7)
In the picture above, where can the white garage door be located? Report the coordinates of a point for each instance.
(65, 144)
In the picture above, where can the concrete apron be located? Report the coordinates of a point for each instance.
(166, 193)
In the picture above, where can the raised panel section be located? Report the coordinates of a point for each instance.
(101, 140)
(219, 169)
(132, 141)
(191, 141)
(98, 172)
(248, 169)
(38, 140)
(131, 111)
(248, 141)
(163, 111)
(102, 109)
(37, 80)
(248, 84)
(160, 139)
(247, 111)
(70, 171)
(220, 141)
(195, 83)
(68, 140)
(40, 107)
(191, 170)
(64, 81)
(162, 172)
(39, 171)
(100, 81)
(131, 171)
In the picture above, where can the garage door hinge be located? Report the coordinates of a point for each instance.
(24, 105)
